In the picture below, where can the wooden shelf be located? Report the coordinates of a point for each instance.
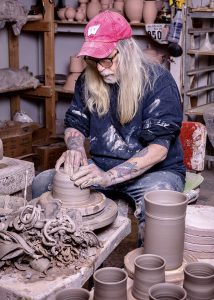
(200, 52)
(59, 89)
(199, 110)
(200, 89)
(200, 30)
(17, 90)
(200, 70)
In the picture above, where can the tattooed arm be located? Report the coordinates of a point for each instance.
(75, 156)
(133, 167)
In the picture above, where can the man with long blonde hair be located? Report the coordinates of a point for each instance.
(130, 110)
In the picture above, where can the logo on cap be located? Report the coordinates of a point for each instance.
(92, 30)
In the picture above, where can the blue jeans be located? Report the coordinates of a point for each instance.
(134, 189)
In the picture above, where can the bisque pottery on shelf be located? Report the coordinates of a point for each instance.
(110, 283)
(61, 13)
(70, 13)
(76, 64)
(167, 291)
(93, 8)
(134, 10)
(149, 270)
(149, 11)
(199, 281)
(80, 15)
(73, 294)
(165, 213)
(119, 5)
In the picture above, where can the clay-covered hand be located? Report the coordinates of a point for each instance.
(90, 175)
(72, 160)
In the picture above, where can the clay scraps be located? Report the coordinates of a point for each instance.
(28, 239)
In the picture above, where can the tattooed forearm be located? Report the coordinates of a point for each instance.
(142, 152)
(75, 142)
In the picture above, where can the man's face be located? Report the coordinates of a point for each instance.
(107, 67)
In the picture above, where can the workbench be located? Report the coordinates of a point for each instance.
(14, 286)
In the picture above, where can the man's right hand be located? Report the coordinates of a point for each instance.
(76, 155)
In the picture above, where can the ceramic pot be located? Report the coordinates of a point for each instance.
(93, 8)
(169, 291)
(119, 5)
(134, 10)
(159, 4)
(76, 64)
(149, 270)
(199, 281)
(149, 11)
(70, 13)
(110, 283)
(73, 294)
(80, 17)
(61, 13)
(165, 213)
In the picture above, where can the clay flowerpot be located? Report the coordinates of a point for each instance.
(80, 16)
(76, 64)
(70, 13)
(169, 291)
(149, 11)
(110, 283)
(73, 294)
(61, 13)
(149, 270)
(165, 213)
(119, 5)
(93, 8)
(199, 281)
(134, 10)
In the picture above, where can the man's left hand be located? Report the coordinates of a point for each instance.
(90, 175)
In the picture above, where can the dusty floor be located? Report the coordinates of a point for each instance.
(206, 197)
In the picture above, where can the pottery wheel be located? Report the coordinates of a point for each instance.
(173, 276)
(102, 218)
(95, 204)
(199, 220)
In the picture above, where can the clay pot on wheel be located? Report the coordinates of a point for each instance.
(199, 281)
(169, 291)
(165, 213)
(110, 283)
(149, 270)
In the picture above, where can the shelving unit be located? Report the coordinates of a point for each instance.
(198, 63)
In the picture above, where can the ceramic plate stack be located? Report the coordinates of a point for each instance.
(199, 231)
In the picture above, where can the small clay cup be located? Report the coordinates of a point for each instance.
(167, 291)
(199, 281)
(73, 294)
(149, 270)
(110, 283)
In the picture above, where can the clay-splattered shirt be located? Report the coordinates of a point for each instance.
(157, 121)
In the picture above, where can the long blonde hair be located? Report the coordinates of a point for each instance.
(133, 79)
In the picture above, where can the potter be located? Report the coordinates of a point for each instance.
(130, 109)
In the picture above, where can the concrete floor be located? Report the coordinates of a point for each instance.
(206, 197)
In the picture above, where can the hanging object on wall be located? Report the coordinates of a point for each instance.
(175, 30)
(177, 3)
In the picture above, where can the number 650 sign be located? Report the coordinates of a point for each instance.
(158, 32)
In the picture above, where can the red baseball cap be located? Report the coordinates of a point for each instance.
(103, 32)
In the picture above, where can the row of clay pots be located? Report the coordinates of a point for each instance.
(134, 10)
(111, 283)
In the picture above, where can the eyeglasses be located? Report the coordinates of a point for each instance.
(104, 62)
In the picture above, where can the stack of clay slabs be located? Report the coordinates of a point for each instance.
(175, 276)
(199, 231)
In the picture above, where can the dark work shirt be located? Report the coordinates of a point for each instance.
(158, 121)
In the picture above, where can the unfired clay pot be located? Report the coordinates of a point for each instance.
(76, 64)
(119, 5)
(73, 294)
(199, 281)
(134, 10)
(61, 13)
(149, 270)
(70, 13)
(93, 8)
(80, 15)
(165, 213)
(71, 81)
(167, 291)
(149, 11)
(110, 283)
